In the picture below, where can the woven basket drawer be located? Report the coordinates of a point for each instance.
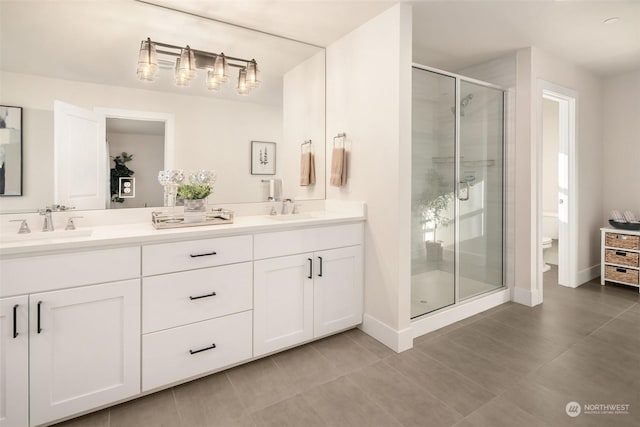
(619, 274)
(621, 257)
(622, 241)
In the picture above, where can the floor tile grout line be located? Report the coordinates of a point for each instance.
(412, 380)
(370, 399)
(475, 354)
(457, 372)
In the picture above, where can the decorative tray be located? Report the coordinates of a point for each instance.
(625, 225)
(162, 220)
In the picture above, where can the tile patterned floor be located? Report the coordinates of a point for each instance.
(510, 366)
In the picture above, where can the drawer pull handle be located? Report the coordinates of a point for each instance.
(621, 270)
(310, 268)
(212, 294)
(320, 273)
(620, 253)
(39, 327)
(202, 349)
(199, 255)
(15, 321)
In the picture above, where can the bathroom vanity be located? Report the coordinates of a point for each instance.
(94, 320)
(620, 257)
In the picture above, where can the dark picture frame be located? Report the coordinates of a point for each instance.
(263, 158)
(11, 163)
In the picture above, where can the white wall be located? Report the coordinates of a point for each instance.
(210, 133)
(303, 119)
(369, 98)
(148, 159)
(621, 144)
(589, 150)
(550, 134)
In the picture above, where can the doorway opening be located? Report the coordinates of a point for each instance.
(557, 195)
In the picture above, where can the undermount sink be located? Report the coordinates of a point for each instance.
(291, 217)
(45, 235)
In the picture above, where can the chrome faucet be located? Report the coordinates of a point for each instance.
(285, 209)
(48, 221)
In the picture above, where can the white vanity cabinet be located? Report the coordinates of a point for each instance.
(83, 329)
(14, 361)
(85, 348)
(308, 294)
(80, 340)
(197, 302)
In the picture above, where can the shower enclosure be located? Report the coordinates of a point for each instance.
(457, 189)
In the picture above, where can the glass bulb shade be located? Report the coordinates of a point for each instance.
(253, 75)
(181, 77)
(188, 62)
(212, 81)
(243, 86)
(147, 61)
(221, 68)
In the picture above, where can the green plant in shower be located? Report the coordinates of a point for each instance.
(434, 211)
(434, 202)
(118, 171)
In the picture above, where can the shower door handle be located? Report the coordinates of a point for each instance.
(466, 191)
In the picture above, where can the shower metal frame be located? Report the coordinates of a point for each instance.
(456, 260)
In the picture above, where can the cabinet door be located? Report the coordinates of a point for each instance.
(85, 348)
(14, 362)
(337, 290)
(282, 303)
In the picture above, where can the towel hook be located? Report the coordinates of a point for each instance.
(309, 143)
(342, 135)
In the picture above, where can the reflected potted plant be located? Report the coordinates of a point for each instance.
(120, 170)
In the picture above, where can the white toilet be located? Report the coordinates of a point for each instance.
(549, 232)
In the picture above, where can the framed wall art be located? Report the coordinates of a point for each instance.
(263, 158)
(10, 151)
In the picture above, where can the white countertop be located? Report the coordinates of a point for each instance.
(143, 233)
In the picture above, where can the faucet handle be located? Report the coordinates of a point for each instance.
(60, 208)
(70, 224)
(24, 227)
(295, 209)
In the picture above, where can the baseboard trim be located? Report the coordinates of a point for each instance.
(588, 274)
(396, 340)
(526, 297)
(438, 320)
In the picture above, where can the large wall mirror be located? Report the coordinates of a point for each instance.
(83, 56)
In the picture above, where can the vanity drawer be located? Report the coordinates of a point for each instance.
(173, 355)
(281, 243)
(622, 241)
(621, 257)
(49, 272)
(177, 299)
(180, 256)
(620, 274)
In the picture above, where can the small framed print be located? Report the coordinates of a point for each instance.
(263, 158)
(10, 151)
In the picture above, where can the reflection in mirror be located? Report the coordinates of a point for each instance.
(136, 150)
(90, 62)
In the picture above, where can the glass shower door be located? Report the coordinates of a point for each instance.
(432, 192)
(480, 189)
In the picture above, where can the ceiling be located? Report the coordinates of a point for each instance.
(455, 34)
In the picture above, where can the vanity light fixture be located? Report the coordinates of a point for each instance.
(147, 61)
(189, 60)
